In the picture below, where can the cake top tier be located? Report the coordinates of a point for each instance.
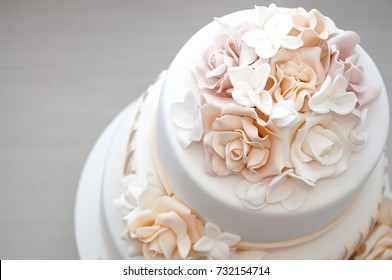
(269, 114)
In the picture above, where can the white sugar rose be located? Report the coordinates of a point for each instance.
(320, 149)
(237, 141)
(167, 230)
(226, 51)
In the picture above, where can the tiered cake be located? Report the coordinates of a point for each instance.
(264, 139)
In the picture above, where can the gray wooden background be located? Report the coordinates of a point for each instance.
(68, 67)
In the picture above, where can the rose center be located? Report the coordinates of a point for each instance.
(317, 144)
(236, 149)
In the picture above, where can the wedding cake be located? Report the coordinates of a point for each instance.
(263, 140)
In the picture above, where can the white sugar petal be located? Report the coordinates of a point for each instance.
(220, 251)
(291, 43)
(212, 230)
(296, 199)
(252, 38)
(279, 192)
(204, 244)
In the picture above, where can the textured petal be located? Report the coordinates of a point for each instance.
(279, 192)
(212, 230)
(385, 216)
(220, 251)
(148, 197)
(266, 49)
(183, 138)
(296, 199)
(257, 158)
(166, 204)
(173, 221)
(279, 25)
(184, 246)
(344, 104)
(134, 247)
(339, 85)
(154, 247)
(291, 43)
(142, 219)
(204, 244)
(197, 129)
(284, 113)
(242, 74)
(181, 116)
(247, 55)
(219, 166)
(262, 101)
(252, 195)
(252, 38)
(241, 94)
(168, 243)
(262, 73)
(148, 233)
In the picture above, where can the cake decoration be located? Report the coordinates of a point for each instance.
(279, 104)
(379, 244)
(281, 100)
(161, 227)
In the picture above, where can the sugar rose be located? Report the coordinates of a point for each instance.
(296, 75)
(167, 230)
(378, 245)
(320, 148)
(237, 141)
(312, 27)
(226, 51)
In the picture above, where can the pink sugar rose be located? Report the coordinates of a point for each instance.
(343, 60)
(226, 51)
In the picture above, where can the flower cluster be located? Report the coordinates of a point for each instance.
(378, 245)
(161, 227)
(281, 101)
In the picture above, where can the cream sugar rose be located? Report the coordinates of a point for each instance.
(261, 131)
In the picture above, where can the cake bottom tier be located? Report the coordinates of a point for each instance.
(130, 148)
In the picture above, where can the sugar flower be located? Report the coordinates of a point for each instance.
(269, 40)
(249, 87)
(216, 243)
(332, 97)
